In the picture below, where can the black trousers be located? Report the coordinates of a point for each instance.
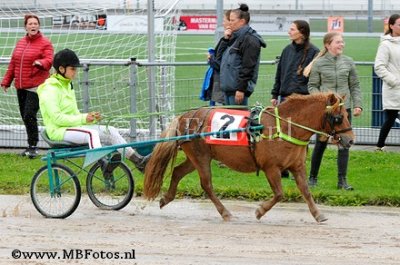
(28, 108)
(318, 152)
(391, 115)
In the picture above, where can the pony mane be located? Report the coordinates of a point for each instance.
(321, 96)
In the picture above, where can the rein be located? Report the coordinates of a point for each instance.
(284, 136)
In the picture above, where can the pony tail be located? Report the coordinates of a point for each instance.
(161, 157)
(307, 70)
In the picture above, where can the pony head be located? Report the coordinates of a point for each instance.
(336, 122)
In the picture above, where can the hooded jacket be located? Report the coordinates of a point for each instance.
(58, 107)
(387, 67)
(21, 68)
(240, 61)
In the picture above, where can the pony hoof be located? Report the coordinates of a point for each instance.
(321, 218)
(259, 214)
(227, 217)
(162, 203)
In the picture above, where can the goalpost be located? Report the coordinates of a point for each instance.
(109, 32)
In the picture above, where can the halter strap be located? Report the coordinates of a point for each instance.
(284, 136)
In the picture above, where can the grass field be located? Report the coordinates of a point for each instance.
(373, 175)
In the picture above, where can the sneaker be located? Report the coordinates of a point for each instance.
(31, 152)
(380, 149)
(108, 166)
(312, 182)
(25, 152)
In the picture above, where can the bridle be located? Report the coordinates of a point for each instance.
(333, 120)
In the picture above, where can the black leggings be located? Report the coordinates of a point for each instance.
(391, 115)
(28, 108)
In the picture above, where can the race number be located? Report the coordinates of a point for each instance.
(223, 121)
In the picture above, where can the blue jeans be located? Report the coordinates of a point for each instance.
(230, 100)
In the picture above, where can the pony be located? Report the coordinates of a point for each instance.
(282, 145)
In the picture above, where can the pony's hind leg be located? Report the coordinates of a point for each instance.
(178, 173)
(301, 182)
(274, 178)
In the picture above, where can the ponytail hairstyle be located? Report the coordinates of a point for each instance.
(242, 12)
(304, 28)
(392, 21)
(328, 38)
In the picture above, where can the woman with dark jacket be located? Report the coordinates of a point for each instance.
(240, 58)
(29, 67)
(290, 76)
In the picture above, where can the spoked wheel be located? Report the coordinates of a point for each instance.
(113, 193)
(55, 195)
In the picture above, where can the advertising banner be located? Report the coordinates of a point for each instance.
(198, 23)
(135, 23)
(336, 24)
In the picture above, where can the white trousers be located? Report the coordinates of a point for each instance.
(94, 135)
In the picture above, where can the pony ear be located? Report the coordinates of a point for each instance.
(332, 99)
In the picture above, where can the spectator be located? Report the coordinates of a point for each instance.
(387, 67)
(240, 58)
(217, 95)
(29, 67)
(333, 71)
(290, 77)
(63, 120)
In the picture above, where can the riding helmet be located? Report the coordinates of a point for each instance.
(66, 58)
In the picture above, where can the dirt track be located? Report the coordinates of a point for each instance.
(192, 232)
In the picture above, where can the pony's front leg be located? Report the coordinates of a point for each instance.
(273, 175)
(178, 173)
(301, 182)
(206, 184)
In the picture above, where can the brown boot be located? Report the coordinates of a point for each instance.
(140, 161)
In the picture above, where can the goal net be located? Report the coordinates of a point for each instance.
(106, 35)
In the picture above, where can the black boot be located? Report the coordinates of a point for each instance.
(342, 184)
(108, 166)
(342, 162)
(316, 159)
(285, 174)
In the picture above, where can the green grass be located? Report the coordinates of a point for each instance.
(373, 175)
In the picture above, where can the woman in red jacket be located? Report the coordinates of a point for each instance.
(29, 67)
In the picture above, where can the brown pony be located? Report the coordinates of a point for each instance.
(299, 116)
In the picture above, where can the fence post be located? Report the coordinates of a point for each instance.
(132, 87)
(163, 105)
(377, 113)
(85, 91)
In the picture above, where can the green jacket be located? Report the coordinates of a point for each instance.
(336, 74)
(58, 106)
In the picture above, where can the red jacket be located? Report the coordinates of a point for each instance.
(21, 68)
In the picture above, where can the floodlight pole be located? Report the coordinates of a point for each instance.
(219, 33)
(370, 15)
(151, 73)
